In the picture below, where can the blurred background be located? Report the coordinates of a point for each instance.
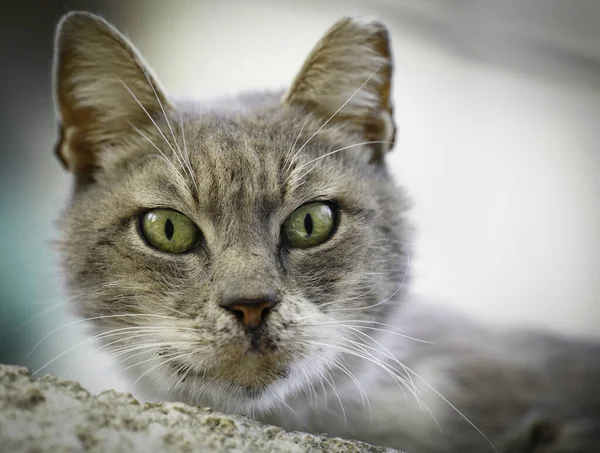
(498, 104)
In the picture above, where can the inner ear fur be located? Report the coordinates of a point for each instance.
(102, 86)
(350, 69)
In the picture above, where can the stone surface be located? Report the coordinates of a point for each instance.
(50, 415)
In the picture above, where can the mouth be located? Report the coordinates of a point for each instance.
(250, 391)
(251, 367)
(255, 350)
(260, 344)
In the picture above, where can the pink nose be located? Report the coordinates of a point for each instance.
(250, 309)
(251, 314)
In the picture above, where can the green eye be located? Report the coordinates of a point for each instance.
(309, 225)
(169, 231)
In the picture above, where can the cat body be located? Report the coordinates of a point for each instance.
(525, 391)
(254, 257)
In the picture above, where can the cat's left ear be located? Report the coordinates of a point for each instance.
(347, 80)
(102, 88)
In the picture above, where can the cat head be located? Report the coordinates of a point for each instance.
(236, 254)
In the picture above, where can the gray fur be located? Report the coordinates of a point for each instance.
(238, 170)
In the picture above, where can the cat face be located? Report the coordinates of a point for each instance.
(238, 254)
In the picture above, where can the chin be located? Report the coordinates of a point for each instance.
(262, 392)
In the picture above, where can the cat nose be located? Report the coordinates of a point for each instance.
(250, 311)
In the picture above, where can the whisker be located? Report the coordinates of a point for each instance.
(354, 297)
(167, 121)
(324, 391)
(68, 371)
(291, 150)
(294, 412)
(173, 167)
(363, 395)
(124, 350)
(187, 153)
(183, 374)
(140, 346)
(311, 387)
(397, 331)
(337, 111)
(365, 355)
(388, 298)
(37, 315)
(362, 346)
(147, 114)
(389, 369)
(386, 352)
(371, 142)
(110, 333)
(151, 359)
(464, 417)
(337, 395)
(155, 125)
(180, 356)
(79, 321)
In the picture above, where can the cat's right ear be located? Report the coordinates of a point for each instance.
(101, 88)
(347, 80)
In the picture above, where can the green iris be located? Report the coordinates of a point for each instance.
(169, 231)
(309, 225)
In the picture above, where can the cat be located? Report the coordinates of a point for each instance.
(254, 256)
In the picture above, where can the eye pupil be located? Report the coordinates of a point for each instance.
(308, 224)
(169, 229)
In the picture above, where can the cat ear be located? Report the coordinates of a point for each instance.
(102, 87)
(350, 69)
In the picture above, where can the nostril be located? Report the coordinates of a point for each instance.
(265, 312)
(239, 314)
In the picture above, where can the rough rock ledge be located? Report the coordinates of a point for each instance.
(51, 415)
